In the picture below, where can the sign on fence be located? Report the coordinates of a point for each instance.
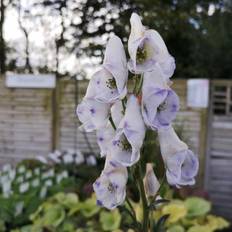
(198, 93)
(31, 81)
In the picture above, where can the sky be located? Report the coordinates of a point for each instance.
(42, 46)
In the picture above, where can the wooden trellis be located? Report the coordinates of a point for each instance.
(218, 173)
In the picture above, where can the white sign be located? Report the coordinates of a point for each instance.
(31, 81)
(198, 93)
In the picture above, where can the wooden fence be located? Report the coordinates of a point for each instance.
(36, 121)
(218, 173)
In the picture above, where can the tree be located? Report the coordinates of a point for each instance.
(2, 41)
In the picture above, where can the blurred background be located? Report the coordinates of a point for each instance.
(48, 52)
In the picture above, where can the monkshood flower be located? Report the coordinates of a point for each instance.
(79, 158)
(181, 163)
(93, 115)
(110, 187)
(91, 160)
(109, 83)
(148, 50)
(159, 103)
(151, 183)
(125, 147)
(104, 138)
(117, 112)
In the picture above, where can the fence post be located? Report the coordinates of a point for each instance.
(56, 116)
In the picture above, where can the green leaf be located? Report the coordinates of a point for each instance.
(110, 221)
(89, 207)
(176, 228)
(197, 206)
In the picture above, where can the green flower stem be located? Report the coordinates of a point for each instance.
(131, 207)
(124, 104)
(144, 200)
(112, 123)
(140, 84)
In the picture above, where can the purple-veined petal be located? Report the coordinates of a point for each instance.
(170, 143)
(117, 112)
(104, 138)
(93, 115)
(129, 135)
(110, 187)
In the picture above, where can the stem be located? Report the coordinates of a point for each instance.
(140, 84)
(144, 201)
(124, 104)
(112, 123)
(131, 207)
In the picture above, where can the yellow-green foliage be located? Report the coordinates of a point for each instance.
(190, 215)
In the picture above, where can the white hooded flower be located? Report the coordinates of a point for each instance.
(109, 83)
(125, 147)
(151, 183)
(55, 156)
(117, 112)
(93, 115)
(6, 168)
(110, 187)
(79, 158)
(91, 160)
(104, 139)
(181, 163)
(68, 158)
(148, 50)
(24, 187)
(21, 169)
(160, 104)
(35, 183)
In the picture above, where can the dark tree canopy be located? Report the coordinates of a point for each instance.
(198, 33)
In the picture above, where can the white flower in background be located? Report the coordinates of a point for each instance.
(151, 183)
(6, 187)
(48, 183)
(91, 160)
(64, 174)
(35, 183)
(12, 174)
(19, 179)
(18, 208)
(6, 167)
(110, 187)
(59, 178)
(28, 174)
(104, 139)
(68, 158)
(24, 187)
(148, 50)
(4, 178)
(125, 147)
(159, 103)
(93, 115)
(49, 173)
(109, 83)
(37, 171)
(43, 192)
(42, 159)
(55, 157)
(117, 112)
(21, 169)
(181, 163)
(79, 158)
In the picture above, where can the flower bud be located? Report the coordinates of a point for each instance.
(150, 181)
